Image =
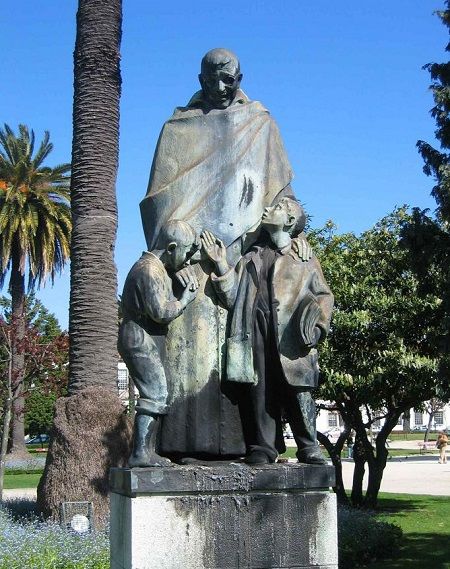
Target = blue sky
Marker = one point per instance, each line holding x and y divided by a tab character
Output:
343	79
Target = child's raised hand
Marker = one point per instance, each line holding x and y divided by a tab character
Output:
213	247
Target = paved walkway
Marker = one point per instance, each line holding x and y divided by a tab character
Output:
409	475
20	493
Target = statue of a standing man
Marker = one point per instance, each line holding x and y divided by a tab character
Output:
218	163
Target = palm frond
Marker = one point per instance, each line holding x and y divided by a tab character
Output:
35	218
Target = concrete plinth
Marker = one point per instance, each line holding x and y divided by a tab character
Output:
224	516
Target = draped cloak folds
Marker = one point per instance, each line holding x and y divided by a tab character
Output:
217	171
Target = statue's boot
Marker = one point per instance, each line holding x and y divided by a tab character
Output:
144	443
258	457
302	420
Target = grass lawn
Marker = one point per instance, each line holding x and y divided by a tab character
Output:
290	452
22	480
416	436
425	521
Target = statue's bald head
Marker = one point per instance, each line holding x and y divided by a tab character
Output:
220	58
220	77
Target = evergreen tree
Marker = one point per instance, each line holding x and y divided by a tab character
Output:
428	236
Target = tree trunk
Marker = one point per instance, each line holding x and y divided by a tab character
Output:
91	433
377	462
18	327
358	477
427	432
6	426
93	309
335	451
376	469
93	286
407	421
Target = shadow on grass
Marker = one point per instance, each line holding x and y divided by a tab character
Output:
419	551
426	537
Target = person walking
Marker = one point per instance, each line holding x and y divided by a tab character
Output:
441	444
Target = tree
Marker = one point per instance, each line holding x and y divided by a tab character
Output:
437	163
39	411
428	236
378	361
44	371
85	438
35	227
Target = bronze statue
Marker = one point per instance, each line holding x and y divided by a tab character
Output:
220	166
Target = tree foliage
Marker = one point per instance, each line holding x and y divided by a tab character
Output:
45	351
45	347
437	162
428	236
35	222
380	358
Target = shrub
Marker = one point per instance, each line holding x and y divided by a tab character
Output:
362	538
35	544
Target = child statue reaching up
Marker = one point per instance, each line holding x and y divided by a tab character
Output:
280	310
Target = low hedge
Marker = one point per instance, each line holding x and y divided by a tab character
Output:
362	538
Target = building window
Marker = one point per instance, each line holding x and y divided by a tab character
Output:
333	419
439	418
418	418
122	379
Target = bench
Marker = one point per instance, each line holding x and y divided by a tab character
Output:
426	447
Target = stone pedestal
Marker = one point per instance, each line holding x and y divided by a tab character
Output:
223	516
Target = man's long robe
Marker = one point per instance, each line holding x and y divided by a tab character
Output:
217	170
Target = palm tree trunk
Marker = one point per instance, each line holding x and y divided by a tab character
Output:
93	292
18	325
92	411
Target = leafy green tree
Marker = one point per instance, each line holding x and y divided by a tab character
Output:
35	228
39	411
37	315
378	361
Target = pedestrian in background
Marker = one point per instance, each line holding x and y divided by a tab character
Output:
441	444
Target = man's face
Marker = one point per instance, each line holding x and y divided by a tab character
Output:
220	85
276	216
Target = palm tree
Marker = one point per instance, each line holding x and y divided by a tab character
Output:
90	431
35	229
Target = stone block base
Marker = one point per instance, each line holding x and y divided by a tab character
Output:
223	517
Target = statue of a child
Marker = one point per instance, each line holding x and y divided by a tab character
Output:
148	305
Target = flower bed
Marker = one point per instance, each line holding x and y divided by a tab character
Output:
41	545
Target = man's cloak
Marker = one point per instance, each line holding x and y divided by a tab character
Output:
216	170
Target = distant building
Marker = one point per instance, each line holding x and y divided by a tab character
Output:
328	420
418	420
